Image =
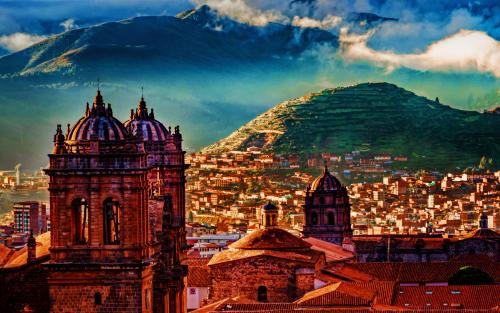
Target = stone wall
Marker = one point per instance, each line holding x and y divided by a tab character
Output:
244	277
105	290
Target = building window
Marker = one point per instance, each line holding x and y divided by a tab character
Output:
321	200
80	221
97	298
111	222
331	218
262	294
314	218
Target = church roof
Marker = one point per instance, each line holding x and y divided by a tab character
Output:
483	233
145	123
232	255
326	182
270	239
98	123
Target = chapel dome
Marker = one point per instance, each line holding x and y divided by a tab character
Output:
98	123
141	121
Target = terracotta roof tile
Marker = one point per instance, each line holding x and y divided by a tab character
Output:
198	276
442	297
333	252
231	255
20	257
270	239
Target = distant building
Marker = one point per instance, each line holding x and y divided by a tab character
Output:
30	215
326	209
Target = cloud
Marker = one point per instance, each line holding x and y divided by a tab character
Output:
463	51
241	11
68	24
18	41
329	22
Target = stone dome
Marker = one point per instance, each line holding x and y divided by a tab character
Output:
270	239
140	120
326	182
98	123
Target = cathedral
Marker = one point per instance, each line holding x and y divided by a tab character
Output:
117	214
326	209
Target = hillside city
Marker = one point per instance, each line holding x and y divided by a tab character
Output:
225	193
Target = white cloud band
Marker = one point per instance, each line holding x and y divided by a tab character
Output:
465	50
18	41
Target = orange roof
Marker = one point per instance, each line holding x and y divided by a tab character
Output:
198	276
349	273
419	272
20	257
483	234
270	239
337	294
231	255
442	297
333	252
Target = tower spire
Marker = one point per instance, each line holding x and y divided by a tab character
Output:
142	111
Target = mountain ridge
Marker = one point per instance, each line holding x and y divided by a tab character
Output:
378	117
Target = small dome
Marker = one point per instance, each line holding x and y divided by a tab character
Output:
152	130
270	239
99	123
326	182
269	207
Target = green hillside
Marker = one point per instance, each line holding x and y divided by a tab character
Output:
375	117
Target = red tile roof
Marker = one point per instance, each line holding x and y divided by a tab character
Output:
20	257
333	252
442	297
198	276
270	239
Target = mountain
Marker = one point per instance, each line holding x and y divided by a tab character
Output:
200	69
375	117
199	38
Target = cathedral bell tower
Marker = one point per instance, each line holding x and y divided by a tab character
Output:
166	177
100	255
327	210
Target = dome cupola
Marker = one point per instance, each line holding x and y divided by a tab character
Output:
326	182
142	123
98	124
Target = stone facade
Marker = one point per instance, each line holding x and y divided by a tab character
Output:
117	214
327	210
268	265
282	278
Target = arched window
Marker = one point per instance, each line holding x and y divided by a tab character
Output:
262	294
111	222
80	221
314	218
97	298
268	220
331	218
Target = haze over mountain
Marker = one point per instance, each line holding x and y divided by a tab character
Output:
202	69
371	117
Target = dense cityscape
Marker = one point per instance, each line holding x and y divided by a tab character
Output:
391	206
241	156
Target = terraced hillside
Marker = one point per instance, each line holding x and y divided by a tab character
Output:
376	117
